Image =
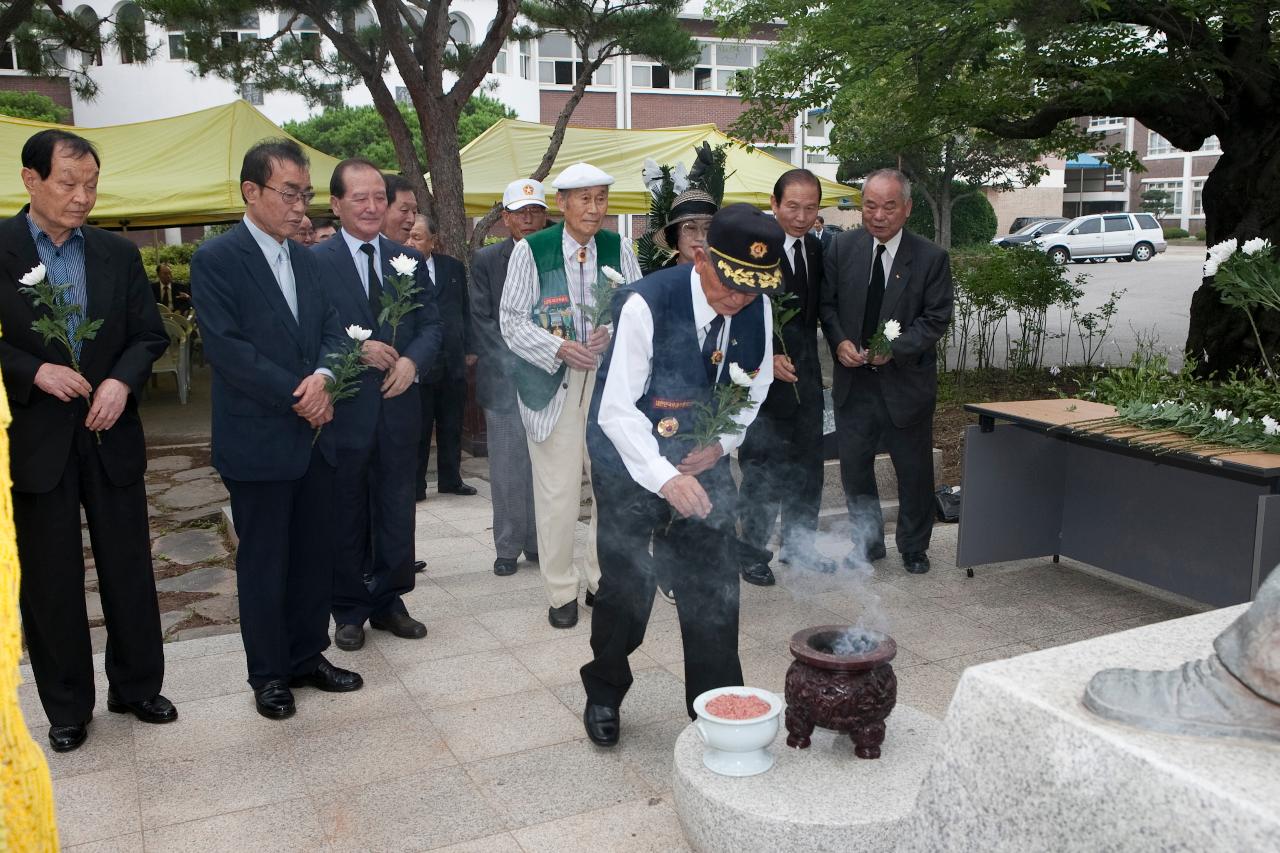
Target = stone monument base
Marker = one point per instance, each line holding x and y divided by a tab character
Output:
1022	765
815	800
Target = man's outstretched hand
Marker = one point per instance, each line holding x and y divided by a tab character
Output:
686	496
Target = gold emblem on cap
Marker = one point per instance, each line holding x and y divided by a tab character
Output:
668	427
760	279
527	189
758	249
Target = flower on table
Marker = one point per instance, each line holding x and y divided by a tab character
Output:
358	334
404	265
739	376
35	276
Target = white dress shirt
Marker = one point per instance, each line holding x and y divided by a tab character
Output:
277	255
626	426
362	260
535	344
789	251
890	252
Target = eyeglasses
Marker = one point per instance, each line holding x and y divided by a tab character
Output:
292	196
694	228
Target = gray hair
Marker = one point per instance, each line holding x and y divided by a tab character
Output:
903	181
427	221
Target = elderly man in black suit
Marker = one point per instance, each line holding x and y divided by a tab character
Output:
781	456
444	387
878	273
76	439
268	330
524	211
376	431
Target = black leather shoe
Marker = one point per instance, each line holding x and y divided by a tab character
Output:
602	724
589	599
460	489
876	552
157	709
349	638
401	624
274	700
807	558
419	566
564	616
917	562
759	574
329	678
504	567
532	557
67	738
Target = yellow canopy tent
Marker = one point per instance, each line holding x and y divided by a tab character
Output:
183	170
512	149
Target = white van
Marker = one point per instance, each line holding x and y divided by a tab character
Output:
1123	236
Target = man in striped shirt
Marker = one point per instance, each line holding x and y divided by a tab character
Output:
546	317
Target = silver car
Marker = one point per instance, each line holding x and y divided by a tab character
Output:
1098	236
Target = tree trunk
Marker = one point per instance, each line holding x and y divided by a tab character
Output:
1239	201
942	232
440	137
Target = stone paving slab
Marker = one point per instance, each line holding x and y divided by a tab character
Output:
188	547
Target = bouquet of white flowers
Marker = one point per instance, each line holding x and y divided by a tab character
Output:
1247	277
880	342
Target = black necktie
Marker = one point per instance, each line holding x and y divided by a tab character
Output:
709	347
801	271
375	287
875	298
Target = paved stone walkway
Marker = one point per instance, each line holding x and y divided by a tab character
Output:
471	739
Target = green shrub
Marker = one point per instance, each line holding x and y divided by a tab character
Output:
973	220
1175	233
31	106
1199	235
177	257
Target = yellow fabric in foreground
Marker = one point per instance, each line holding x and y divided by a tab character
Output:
27	821
513	149
183	170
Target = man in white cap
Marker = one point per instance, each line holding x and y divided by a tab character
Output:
546	316
524	211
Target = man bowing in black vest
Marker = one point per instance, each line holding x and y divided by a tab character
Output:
680	335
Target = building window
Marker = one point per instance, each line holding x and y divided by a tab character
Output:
177	45
560	62
1173	188
1115	176
88	19
1105	122
500	61
247	29
782	152
1157	144
251	93
459	30
1211	145
817	125
131	34
402	95
718	63
8	61
526	61
1197	197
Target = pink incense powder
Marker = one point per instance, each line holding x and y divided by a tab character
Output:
732	706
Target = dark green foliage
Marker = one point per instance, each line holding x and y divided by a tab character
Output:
973	220
31	106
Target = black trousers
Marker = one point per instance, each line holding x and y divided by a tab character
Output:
781	463
704	575
51	599
374	524
284	570
443	403
862	424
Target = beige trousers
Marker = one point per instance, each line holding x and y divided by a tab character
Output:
558	464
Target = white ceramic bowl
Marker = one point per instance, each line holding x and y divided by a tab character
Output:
737	747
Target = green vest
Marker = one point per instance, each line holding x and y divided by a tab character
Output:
554	309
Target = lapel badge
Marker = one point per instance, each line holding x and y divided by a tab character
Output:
717	357
668	427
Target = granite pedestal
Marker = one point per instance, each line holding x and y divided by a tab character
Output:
815	800
1022	765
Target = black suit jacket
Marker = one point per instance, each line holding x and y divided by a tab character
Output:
801	338
494	387
450	287
355	420
918	294
131	338
259	353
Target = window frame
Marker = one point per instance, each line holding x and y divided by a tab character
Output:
708	76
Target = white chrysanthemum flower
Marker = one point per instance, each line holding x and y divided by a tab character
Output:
35	276
892	329
404	265
1222	414
358	334
1055	370
679	178
1270	425
1256	245
612	275
739	376
1211	267
1223	250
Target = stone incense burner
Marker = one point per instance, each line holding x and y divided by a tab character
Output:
841	680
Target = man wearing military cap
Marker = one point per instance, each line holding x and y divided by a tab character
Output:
679	333
547	319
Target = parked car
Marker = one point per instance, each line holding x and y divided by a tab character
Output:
1020	222
1124	236
1029	232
